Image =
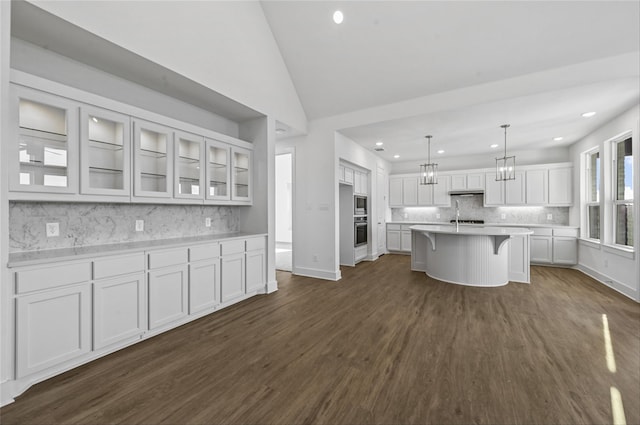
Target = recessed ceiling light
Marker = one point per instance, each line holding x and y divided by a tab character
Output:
495	145
338	17
396	156
379	143
588	114
557	139
440	151
94	119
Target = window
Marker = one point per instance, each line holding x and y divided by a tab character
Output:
623	191
593	194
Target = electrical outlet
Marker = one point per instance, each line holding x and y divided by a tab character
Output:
53	229
503	216
139	225
549	216
207	222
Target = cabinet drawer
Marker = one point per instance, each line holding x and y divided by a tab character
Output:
564	231
204	252
393	226
116	266
50	277
167	258
407	227
542	231
255	244
232	247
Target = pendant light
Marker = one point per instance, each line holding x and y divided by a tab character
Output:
429	171
505	166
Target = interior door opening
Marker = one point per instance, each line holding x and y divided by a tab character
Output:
284	212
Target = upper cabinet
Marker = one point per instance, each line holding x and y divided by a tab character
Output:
45	151
241	174
435	195
152	160
218	162
189	169
467	181
560	186
535	186
104	152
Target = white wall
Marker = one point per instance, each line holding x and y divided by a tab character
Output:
618	269
232	52
284	206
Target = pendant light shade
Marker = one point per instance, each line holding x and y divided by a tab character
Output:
429	171
505	166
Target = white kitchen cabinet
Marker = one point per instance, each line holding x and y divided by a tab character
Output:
218	171
410	191
152	160
204	285
515	190
537	187
105	153
52	327
189	169
232	269
494	191
341	169
119	307
467	181
360	184
349	177
405	239
555	246
241	175
395	191
168	284
519	259
256	264
565	250
44	152
435	194
561	186
542	245
394	240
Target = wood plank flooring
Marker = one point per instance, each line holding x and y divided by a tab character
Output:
382	346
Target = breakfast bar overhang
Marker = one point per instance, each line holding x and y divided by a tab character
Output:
467	255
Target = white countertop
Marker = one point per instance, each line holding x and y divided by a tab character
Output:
27	258
473	230
554	226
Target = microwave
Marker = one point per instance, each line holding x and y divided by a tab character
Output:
359	205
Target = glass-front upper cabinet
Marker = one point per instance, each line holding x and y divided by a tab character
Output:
46	147
241	174
104	152
189	170
218	170
153	160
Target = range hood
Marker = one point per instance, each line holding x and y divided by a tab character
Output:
466	192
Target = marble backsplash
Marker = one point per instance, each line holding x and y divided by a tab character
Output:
97	223
471	208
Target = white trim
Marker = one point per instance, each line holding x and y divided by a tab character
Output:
317	273
610	282
272	286
591	243
292	151
620	250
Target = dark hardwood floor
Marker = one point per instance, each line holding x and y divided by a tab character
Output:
382	346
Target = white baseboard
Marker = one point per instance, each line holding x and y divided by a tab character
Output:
272	286
610	282
317	273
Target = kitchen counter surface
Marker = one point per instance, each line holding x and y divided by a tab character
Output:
442	223
27	258
483	230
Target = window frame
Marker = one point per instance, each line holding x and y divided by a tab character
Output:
614	201
590	202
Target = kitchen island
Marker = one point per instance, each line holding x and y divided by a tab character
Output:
471	255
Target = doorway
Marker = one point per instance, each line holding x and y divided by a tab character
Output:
284	211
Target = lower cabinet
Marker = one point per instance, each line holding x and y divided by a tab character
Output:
399	237
52	327
119	308
232	271
554	246
256	264
204	285
168	291
519	259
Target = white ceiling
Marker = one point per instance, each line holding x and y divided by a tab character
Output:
392	51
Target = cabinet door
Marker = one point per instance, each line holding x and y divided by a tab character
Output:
232	276
565	250
118	309
52	327
536	184
541	249
152	160
44	156
410	191
405	243
256	270
218	160
364	186
348	175
493	191
357	183
395	192
241	187
204	285
475	181
168	289
441	190
519	259
394	240
189	167
515	190
459	182
105	152
560	186
341	173
425	194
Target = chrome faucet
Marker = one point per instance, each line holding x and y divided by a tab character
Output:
457	215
